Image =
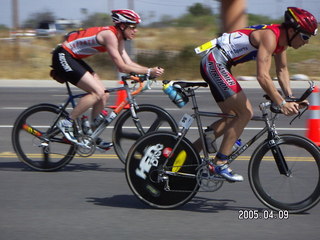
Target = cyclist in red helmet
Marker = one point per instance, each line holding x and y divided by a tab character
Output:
303	22
67	61
260	43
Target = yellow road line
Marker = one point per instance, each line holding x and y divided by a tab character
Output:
38	155
114	156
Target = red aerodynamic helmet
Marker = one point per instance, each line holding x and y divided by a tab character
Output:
125	16
301	20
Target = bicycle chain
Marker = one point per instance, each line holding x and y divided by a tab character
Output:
212	182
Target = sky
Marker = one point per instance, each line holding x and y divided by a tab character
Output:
149	9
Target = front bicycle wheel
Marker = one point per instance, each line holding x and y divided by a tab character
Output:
151	118
297	191
160	186
37	142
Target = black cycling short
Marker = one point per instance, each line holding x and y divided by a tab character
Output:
215	71
68	67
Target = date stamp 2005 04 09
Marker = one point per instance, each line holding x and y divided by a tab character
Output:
264	214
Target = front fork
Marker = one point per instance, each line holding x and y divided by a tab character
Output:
274	144
133	107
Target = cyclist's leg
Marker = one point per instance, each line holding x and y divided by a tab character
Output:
80	74
92	84
240	106
223	85
231	99
218	128
95	87
96	97
99	105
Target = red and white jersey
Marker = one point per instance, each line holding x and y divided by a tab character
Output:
84	43
237	44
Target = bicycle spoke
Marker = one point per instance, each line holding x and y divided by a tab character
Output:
295	192
130	135
39	145
155	125
127	131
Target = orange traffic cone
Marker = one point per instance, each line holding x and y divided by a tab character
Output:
121	96
313	128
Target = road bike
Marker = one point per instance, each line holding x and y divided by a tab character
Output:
40	144
165	171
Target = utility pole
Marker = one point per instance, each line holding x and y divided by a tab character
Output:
129	44
110	5
15	14
15	26
131	4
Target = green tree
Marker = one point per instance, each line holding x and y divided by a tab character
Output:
199	10
3	27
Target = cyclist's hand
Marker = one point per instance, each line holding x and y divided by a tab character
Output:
303	104
290	108
157	71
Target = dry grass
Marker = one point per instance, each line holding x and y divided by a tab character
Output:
31	58
171	38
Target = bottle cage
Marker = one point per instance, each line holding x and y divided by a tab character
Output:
181	93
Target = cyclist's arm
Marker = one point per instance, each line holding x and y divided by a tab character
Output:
114	48
266	43
283	73
125	56
155	71
120	57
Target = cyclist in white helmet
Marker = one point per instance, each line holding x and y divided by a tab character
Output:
67	61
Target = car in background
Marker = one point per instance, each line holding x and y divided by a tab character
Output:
48	29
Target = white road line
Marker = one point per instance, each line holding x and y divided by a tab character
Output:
191	128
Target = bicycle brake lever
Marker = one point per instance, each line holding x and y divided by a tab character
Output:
300	113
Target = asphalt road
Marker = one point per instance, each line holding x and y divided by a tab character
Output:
90	199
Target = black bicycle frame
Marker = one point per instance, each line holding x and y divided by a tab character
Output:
272	135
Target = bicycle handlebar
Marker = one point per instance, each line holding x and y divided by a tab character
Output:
299	100
306	93
137	77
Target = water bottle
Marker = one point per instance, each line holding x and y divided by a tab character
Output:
210	141
100	118
175	96
85	124
236	145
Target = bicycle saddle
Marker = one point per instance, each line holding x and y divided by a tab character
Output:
184	84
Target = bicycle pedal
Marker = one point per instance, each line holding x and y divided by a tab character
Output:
65	140
44	144
102	150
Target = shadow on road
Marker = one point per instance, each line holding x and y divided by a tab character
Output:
197	204
13	166
71	167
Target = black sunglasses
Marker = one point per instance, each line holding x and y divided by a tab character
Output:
304	36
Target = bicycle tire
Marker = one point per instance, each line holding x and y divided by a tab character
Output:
142	172
295	193
152	118
33	150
